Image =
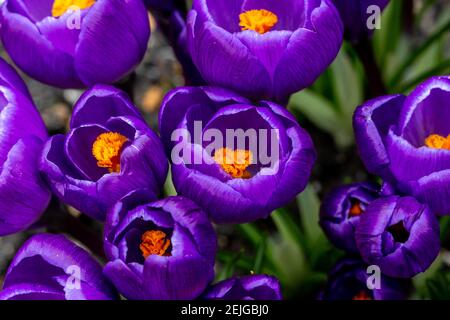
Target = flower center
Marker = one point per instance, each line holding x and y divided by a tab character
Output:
107	148
355	209
260	21
235	163
154	242
436	141
362	295
399	232
62	6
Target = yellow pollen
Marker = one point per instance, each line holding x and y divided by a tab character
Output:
154	242
107	148
436	141
61	6
260	21
235	163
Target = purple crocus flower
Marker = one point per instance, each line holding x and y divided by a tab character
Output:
23	195
398	234
163	250
50	267
357	16
405	141
237	160
263	49
254	287
108	152
341	211
349	280
75	43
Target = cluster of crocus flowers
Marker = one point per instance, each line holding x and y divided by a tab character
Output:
75	43
405	141
22	134
251	55
398	234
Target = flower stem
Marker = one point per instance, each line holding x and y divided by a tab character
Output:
366	54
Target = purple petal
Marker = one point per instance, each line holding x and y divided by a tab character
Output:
371	123
111	26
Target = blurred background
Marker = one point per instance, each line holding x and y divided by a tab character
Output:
412	45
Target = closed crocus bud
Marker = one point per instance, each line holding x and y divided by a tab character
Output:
341	211
263	49
352	279
360	17
50	267
398	234
23	195
237	160
254	287
405	140
108	152
75	43
162	250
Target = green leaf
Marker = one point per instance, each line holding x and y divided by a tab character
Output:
322	113
251	233
289	261
231	261
259	258
347	85
169	189
442	68
287	227
309	205
407	63
439	287
421	280
387	38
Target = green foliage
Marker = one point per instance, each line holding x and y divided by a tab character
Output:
439	286
298	252
329	105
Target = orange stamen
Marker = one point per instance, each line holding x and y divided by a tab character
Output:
436	141
235	163
154	242
356	209
260	21
107	149
362	295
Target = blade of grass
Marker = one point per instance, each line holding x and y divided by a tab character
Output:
418	52
250	232
440	69
259	258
